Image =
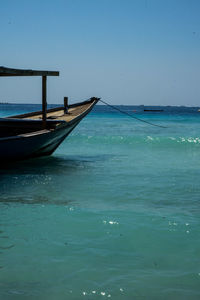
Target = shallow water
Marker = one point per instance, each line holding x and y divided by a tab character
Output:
114	213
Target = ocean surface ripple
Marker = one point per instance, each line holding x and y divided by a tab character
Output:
113	213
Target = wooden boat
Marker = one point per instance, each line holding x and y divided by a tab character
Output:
39	133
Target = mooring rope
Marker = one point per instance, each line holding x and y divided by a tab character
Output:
131	116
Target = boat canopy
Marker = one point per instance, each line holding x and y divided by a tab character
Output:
23	72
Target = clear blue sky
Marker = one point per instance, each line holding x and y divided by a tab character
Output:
125	51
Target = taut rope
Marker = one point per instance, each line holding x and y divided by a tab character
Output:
131	116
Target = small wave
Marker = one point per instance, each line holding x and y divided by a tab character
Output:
40	200
195	140
135	140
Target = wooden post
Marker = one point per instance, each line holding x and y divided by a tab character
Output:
65	105
44	100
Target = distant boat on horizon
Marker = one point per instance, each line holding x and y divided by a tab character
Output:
154	110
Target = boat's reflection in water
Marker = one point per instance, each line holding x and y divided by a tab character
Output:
42	165
58	180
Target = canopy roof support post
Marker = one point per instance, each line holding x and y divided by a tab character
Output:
44	100
65	105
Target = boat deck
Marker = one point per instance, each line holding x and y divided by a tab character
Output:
59	115
33	122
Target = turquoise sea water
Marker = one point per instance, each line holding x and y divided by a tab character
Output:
113	213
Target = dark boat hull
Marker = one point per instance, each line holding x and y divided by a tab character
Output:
42	143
